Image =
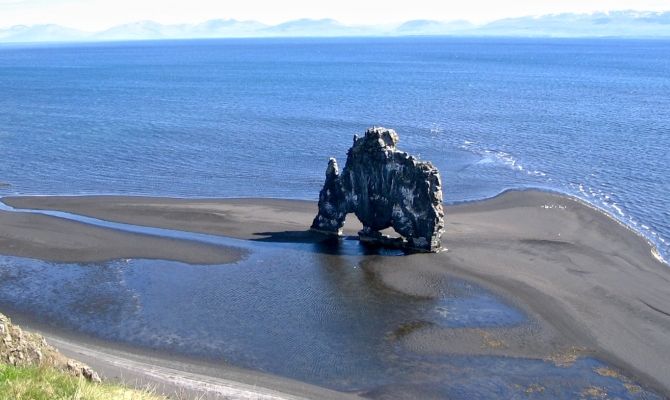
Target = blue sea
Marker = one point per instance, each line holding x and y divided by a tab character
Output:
261	117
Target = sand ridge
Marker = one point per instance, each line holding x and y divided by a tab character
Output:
56	239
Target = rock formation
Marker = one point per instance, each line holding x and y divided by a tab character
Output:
21	348
385	188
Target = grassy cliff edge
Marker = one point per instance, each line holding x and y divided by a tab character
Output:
31	369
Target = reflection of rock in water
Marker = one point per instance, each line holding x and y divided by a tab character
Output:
385	188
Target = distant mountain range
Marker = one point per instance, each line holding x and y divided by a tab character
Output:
613	24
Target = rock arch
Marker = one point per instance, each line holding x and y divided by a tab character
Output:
385	188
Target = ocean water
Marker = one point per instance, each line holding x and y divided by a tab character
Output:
259	118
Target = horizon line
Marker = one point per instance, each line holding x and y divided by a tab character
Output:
345	24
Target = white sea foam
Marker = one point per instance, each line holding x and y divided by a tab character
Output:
492	156
607	203
618	209
658	256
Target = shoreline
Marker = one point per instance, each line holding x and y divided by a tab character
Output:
588	282
655	252
654	249
172	374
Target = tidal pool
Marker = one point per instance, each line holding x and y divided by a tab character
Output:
314	317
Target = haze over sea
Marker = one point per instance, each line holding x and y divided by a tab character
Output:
260	117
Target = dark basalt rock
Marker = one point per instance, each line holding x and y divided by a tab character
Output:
332	210
385	188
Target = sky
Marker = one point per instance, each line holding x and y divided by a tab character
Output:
95	15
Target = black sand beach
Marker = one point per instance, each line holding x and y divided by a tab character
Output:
591	287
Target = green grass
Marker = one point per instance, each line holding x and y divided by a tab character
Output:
41	383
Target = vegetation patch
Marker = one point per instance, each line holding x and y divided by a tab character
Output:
45	383
31	369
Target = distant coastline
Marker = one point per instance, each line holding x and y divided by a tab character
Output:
620	24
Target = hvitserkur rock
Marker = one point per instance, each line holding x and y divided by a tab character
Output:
385	188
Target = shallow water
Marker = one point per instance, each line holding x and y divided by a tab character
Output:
314	317
259	118
509	378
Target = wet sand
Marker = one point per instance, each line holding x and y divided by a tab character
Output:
591	285
60	240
